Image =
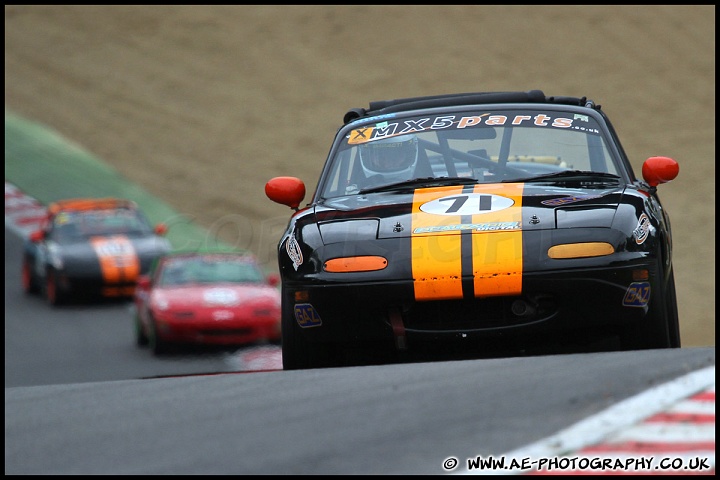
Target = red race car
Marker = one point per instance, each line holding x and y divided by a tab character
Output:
207	298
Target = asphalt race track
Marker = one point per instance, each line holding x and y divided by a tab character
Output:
81	398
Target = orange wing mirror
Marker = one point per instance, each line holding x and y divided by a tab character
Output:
161	229
657	170
37	236
143	282
273	279
288	191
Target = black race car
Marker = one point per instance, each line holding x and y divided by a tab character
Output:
478	222
90	247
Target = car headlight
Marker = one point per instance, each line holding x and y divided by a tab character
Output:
580	250
55	257
368	263
160	304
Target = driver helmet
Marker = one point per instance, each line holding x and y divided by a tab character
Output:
394	156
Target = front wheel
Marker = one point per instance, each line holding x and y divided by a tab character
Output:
297	352
53	295
660	327
157	344
29	282
141	339
672	308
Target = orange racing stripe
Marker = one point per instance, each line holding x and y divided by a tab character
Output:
118	260
443	219
436	259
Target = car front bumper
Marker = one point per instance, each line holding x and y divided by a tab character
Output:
209	331
598	300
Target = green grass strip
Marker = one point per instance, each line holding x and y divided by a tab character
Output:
49	167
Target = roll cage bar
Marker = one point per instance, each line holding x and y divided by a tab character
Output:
382	107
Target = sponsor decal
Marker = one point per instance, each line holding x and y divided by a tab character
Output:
118	260
484	227
306	315
62	218
637	294
360	135
642	230
406	126
293	250
565	200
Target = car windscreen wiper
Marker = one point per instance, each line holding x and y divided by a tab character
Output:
420	182
570	176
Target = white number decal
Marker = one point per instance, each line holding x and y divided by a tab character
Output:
470	204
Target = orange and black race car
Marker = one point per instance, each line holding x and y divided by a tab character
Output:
90	247
504	222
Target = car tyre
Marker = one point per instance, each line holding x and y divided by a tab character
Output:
660	327
297	352
156	343
29	282
672	309
53	295
141	338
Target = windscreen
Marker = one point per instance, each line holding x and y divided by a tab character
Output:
487	146
209	269
74	225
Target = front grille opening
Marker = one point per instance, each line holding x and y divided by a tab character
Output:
228	332
479	313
